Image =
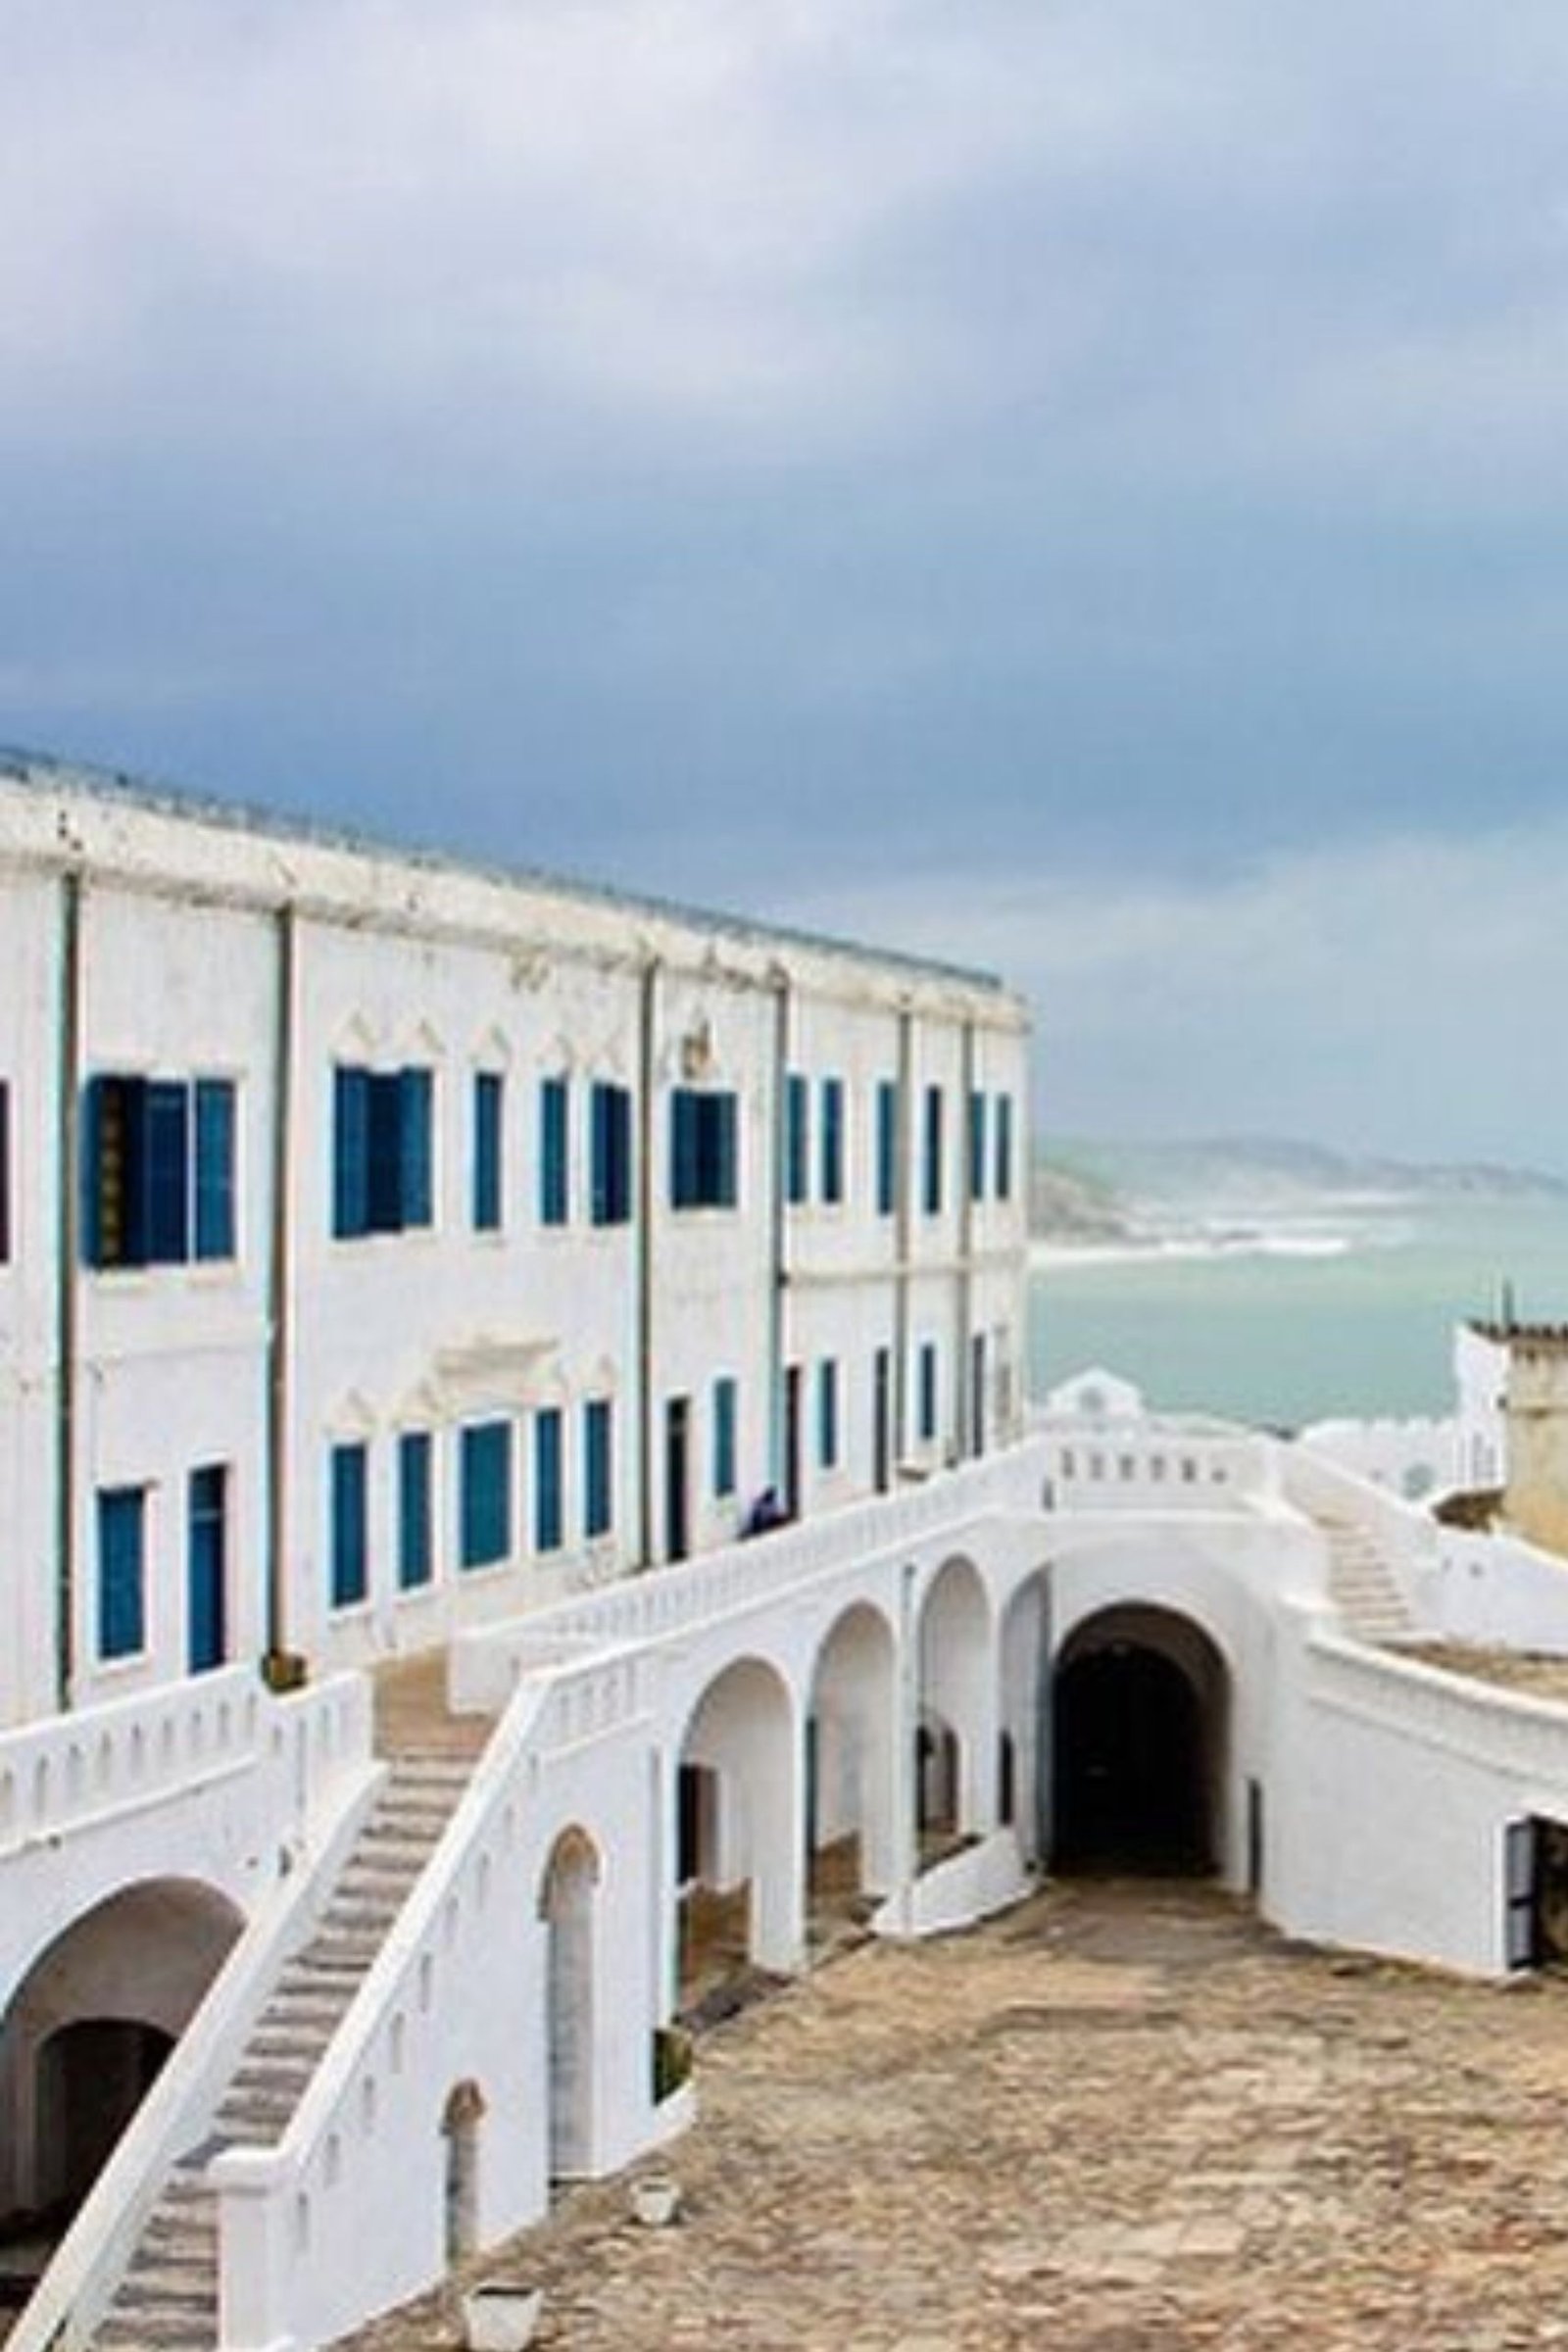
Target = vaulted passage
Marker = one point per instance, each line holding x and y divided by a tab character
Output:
1139	1720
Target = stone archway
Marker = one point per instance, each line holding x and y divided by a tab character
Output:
955	1763
567	1902
852	1759
1139	1725
740	1868
88	2030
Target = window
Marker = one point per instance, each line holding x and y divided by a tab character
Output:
827	1413
489	1100
555	1150
597	1468
797	1139
484	1461
416	1518
933	1151
832	1138
1003	1147
351	1551
547	1513
122	1571
887	1145
725	1395
158	1171
928	1391
609	1155
381	1151
977	1147
5	1172
703	1132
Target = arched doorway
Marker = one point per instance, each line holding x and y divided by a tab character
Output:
89	2030
955	1731
739	1829
851	1759
1140	1729
567	1908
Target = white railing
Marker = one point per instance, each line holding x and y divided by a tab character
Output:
73	1771
1509	1730
276	2204
85	2270
1161	1465
1406	1537
485	1662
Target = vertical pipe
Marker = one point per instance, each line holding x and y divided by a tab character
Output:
645	1073
281	1283
66	1291
779	1219
964	1287
904	1142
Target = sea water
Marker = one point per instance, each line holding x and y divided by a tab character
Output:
1343	1305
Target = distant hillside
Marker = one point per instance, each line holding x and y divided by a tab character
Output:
1067	1203
1248	1171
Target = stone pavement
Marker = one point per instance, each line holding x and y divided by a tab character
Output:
1122	2119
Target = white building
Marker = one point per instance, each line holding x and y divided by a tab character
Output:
397	1258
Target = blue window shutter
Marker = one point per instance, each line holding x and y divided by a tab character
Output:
350	1577
166	1163
415	1561
724	1397
351	1153
610	1148
547	1514
683	1190
832	1138
796	1141
928	1389
416	1202
597	1469
122	1571
485	1470
95	1205
977	1147
933	1151
1004	1147
488	1101
553	1160
727	1188
887	1145
215	1168
827	1413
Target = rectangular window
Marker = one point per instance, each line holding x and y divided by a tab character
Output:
381	1151
609	1153
887	1147
484	1474
977	1147
827	1413
416	1513
702	1138
832	1140
122	1571
548	1527
933	1151
797	1139
351	1551
158	1171
597	1469
725	1395
927	1401
5	1172
1004	1147
555	1150
489	1103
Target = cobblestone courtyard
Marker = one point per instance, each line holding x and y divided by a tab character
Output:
1122	2119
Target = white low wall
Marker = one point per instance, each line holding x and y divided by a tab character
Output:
1413	1458
970	1886
1497	1590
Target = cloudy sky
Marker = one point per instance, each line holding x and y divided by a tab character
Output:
1079	485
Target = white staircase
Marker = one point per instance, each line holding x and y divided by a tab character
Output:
169	2296
1362	1586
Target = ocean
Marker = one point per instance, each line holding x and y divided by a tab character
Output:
1338	1305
